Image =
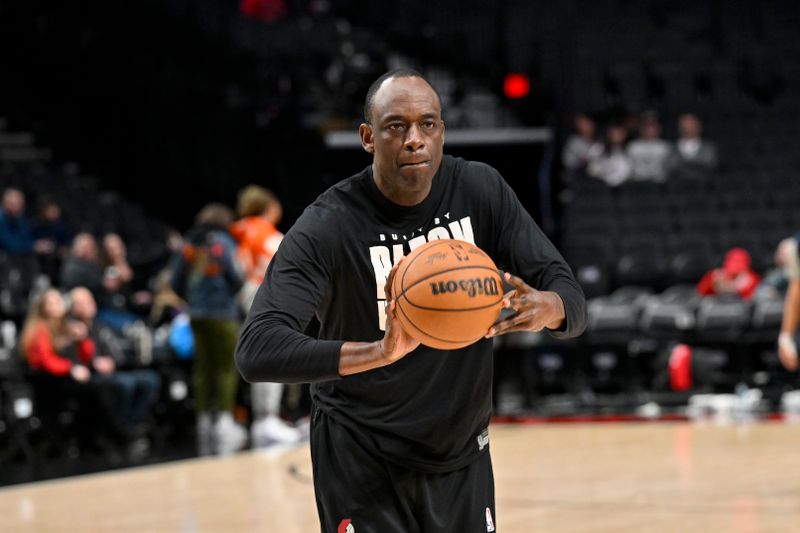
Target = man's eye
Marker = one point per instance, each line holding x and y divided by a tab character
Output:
429	124
397	127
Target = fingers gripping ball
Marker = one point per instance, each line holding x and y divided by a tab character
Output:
447	293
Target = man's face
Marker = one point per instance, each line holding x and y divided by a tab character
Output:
114	246
616	135
406	134
83	306
84	247
651	130
689	126
13	202
584	126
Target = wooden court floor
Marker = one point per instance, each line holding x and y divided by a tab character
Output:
660	477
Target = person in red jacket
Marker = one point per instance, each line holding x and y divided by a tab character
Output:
47	335
735	277
60	352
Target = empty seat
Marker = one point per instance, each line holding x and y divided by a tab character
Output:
722	318
767	315
690	265
641	268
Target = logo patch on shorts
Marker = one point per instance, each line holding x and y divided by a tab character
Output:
489	521
483	439
346	527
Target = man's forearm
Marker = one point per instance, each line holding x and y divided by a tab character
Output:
358	357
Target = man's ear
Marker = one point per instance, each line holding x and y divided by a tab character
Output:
367	141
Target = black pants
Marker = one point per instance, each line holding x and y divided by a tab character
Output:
97	401
356	488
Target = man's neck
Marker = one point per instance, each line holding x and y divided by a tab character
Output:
396	195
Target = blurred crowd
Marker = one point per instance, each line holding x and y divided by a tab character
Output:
632	149
88	300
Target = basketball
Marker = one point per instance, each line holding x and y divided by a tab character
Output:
447	294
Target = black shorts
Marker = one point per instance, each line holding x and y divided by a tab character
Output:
360	492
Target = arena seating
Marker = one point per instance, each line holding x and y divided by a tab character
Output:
34	426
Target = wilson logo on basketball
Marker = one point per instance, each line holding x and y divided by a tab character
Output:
473	287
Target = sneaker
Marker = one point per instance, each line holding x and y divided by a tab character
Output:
205	434
272	430
230	436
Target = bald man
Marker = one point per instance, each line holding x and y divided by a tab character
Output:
399	432
138	388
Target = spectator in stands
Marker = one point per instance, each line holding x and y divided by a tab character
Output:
651	156
60	352
115	255
787	346
612	164
82	266
49	226
734	278
581	145
166	304
137	389
776	281
691	148
259	239
16	235
208	276
121	305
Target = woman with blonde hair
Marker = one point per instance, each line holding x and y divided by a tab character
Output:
47	333
60	353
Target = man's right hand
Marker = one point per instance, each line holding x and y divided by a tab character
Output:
358	357
396	343
787	351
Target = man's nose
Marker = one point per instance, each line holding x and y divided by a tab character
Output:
414	141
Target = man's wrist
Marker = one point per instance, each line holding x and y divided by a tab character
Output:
560	309
381	353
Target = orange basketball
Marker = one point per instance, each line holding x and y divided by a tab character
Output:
447	293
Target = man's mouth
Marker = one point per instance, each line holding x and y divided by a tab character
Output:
414	165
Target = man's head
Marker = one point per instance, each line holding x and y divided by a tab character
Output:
737	261
215	215
83	306
84	246
689	126
584	126
48	209
114	247
404	131
650	127
13	202
616	135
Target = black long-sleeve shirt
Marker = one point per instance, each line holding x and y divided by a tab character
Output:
428	410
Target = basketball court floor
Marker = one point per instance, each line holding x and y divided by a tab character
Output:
659	477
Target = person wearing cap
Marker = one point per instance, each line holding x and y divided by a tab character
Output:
734	278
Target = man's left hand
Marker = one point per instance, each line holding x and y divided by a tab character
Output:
534	310
104	364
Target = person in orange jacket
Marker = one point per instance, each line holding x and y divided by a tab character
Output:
257	236
260	211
